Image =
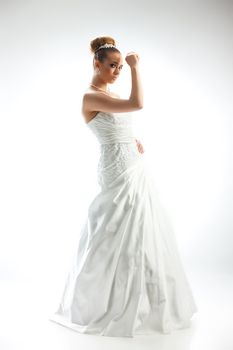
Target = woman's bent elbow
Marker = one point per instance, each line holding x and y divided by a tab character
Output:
138	105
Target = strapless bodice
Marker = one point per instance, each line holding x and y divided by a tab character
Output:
112	127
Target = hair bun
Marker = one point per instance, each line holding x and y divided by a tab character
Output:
99	41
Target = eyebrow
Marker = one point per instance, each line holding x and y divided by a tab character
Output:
116	62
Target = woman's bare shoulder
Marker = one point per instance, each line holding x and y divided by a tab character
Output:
116	95
90	91
87	112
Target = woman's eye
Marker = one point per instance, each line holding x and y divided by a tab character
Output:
115	65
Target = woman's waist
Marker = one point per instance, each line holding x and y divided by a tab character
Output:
118	151
111	137
131	140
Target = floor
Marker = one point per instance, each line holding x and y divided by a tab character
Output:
25	308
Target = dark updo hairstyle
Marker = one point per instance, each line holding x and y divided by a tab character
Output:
102	53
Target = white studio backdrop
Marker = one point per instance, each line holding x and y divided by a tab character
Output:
49	157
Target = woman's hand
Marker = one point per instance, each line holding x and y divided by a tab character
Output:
140	147
132	58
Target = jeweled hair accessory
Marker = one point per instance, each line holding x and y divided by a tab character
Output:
105	46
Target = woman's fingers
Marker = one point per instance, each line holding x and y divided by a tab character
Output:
140	147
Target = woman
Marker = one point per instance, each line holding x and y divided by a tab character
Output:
127	277
107	67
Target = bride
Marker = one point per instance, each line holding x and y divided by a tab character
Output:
126	277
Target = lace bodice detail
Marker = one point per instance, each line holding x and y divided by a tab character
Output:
112	127
118	148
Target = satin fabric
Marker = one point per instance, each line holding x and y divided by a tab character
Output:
127	276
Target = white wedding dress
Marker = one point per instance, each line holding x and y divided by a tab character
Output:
126	277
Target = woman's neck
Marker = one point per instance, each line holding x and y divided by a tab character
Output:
103	88
97	81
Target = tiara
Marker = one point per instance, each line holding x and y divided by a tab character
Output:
105	46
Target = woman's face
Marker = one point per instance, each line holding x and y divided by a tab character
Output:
110	69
